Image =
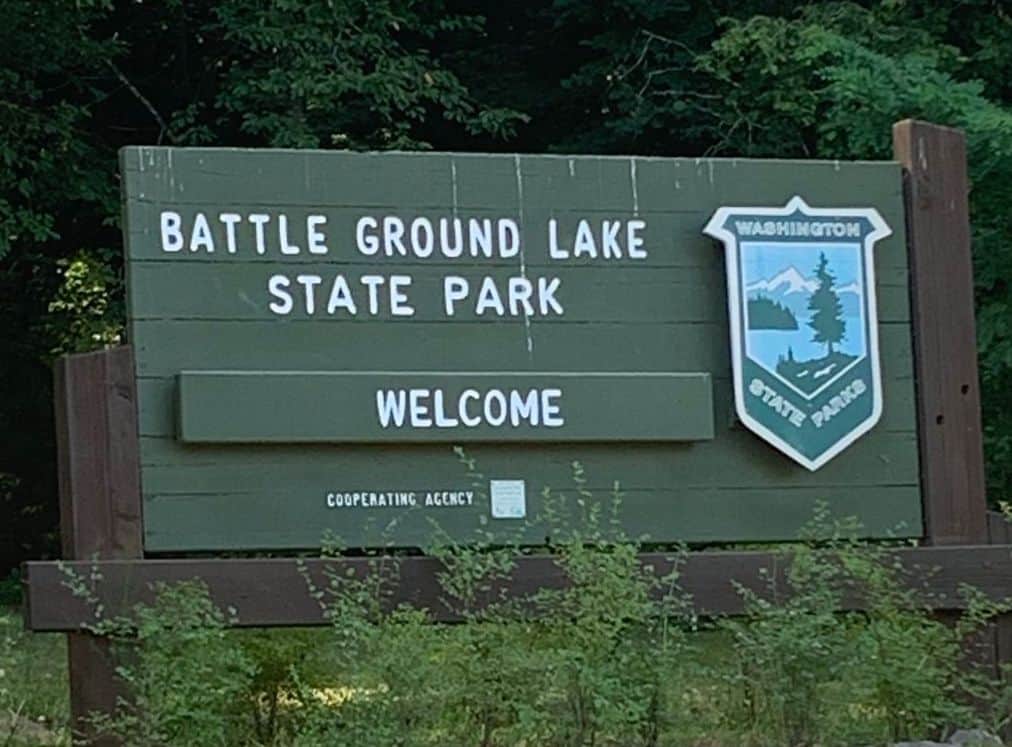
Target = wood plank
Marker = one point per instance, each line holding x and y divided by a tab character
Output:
239	291
167	347
195	488
475	181
158	402
274	592
938	228
380	407
259	520
96	406
673	241
999	529
1000	650
666	313
883	458
100	506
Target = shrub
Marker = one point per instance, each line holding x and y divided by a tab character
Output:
616	656
186	676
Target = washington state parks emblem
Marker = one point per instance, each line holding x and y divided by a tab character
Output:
804	328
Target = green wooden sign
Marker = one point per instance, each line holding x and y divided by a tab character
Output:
372	345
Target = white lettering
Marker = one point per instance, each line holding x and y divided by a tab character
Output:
286	246
584	241
259	220
551	411
373	282
488	297
367	243
340	297
172	235
230	220
399	300
553	241
393	232
278	286
422	247
495	409
309	283
390	406
634	241
419	411
509	238
201	236
455	289
314	237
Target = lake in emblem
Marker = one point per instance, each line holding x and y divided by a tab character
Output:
804	327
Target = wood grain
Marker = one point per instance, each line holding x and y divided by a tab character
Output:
100	505
945	352
275	592
201	311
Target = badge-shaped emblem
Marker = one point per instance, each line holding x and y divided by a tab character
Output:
804	328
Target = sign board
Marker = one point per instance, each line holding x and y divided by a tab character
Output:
804	342
318	335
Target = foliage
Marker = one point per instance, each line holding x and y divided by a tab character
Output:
81	79
807	674
345	73
614	656
50	165
784	78
829	83
33	684
55	180
185	675
10	590
820	80
86	313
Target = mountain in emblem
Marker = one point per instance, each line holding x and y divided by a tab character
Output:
791	289
784	283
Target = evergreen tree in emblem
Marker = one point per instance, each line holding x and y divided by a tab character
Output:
827	311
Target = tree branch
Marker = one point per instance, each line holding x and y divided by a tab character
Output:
164	127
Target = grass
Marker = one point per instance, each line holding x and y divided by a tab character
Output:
34	708
34	690
33	685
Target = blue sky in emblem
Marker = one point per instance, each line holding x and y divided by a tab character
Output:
784	273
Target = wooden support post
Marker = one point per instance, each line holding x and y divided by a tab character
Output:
1000	531
945	353
945	343
100	504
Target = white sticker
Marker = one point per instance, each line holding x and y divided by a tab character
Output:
509	499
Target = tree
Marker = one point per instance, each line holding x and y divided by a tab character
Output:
80	79
346	73
827	80
765	313
827	311
58	196
757	78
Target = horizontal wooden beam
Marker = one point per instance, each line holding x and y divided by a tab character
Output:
425	406
273	592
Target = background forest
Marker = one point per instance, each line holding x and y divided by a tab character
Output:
652	77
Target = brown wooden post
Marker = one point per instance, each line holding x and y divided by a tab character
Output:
945	354
100	505
945	343
1000	531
